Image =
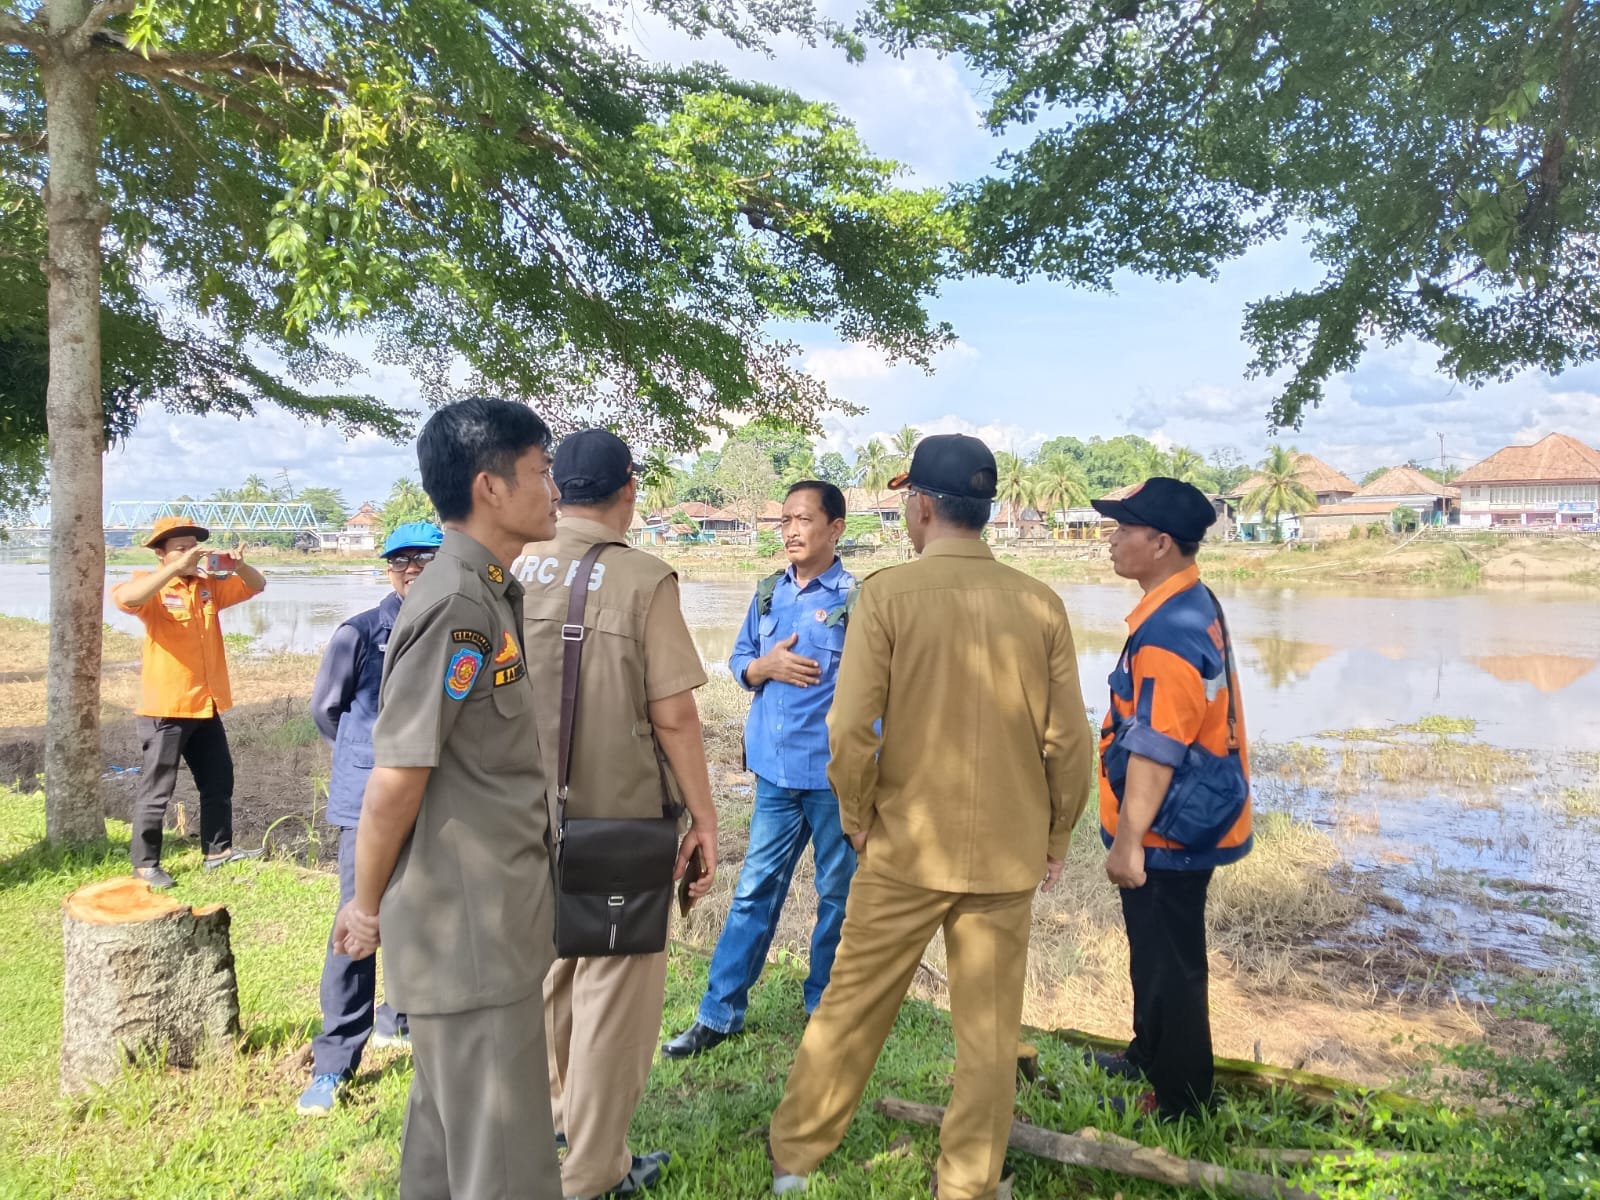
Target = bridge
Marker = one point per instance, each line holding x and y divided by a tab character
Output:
219	516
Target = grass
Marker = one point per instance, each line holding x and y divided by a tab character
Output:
228	1129
1581	802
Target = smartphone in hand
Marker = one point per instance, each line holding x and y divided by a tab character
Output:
692	871
218	565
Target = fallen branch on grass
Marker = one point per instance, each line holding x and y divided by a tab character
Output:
1319	1089
1143	1162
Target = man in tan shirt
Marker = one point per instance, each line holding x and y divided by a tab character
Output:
961	809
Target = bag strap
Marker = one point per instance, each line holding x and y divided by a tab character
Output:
1227	666
571	657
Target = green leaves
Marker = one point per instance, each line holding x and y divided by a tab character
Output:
1442	160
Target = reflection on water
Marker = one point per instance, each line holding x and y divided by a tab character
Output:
1521	664
1547	672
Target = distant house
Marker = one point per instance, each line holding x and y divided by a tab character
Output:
360	532
708	518
1011	523
1398	487
1328	485
1553	483
884	505
771	516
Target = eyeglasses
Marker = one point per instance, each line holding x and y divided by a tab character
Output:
401	562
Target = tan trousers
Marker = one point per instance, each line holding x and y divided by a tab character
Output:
602	1019
887	926
477	1123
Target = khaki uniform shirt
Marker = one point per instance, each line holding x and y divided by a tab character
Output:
467	917
986	758
636	649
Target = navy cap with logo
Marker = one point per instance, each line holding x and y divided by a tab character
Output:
591	465
1170	506
951	464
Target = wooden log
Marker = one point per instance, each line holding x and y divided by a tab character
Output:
1142	1162
145	978
1239	1072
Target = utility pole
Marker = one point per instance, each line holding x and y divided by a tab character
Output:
1441	456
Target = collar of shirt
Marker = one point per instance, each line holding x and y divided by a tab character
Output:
1181	582
588	532
389	609
482	563
957	547
832	578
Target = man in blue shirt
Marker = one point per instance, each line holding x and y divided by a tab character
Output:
344	704
787	653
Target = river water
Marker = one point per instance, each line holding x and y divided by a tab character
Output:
1524	664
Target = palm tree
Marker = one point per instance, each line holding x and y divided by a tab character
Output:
875	467
1185	464
659	493
1058	483
1151	461
1280	493
904	445
1013	482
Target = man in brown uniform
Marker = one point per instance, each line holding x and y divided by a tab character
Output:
635	705
961	809
448	844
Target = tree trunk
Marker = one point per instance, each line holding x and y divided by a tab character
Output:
145	978
77	435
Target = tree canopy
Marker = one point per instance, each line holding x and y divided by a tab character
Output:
1442	160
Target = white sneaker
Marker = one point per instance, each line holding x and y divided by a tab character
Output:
782	1185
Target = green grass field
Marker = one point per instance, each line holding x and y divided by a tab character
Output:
228	1129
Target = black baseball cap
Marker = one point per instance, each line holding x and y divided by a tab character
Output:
951	464
592	464
1170	506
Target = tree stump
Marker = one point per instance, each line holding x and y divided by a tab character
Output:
146	978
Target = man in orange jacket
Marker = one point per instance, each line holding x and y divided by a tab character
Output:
185	688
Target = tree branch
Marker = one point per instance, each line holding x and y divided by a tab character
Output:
25	141
98	16
15	31
162	65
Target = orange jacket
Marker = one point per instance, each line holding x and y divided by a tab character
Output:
185	671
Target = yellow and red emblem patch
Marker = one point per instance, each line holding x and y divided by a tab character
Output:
508	648
464	666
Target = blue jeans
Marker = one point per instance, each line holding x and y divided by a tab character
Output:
783	821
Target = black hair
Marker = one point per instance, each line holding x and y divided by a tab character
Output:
960	511
828	495
481	433
1187	549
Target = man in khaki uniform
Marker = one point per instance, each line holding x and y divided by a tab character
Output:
452	861
960	810
635	706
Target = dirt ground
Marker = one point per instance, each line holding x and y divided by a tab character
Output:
1292	983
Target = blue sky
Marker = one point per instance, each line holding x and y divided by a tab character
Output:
1164	360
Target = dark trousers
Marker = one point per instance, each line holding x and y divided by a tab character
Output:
349	988
202	743
1166	922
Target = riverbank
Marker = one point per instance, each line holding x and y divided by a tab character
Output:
1435	560
1318	961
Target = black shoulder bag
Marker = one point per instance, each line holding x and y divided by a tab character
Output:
613	875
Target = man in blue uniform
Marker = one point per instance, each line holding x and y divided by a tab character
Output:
344	704
787	653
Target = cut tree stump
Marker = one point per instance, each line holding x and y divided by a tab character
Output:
146	979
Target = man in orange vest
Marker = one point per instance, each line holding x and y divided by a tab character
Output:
185	688
1174	786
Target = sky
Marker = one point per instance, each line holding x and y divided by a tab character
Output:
1163	360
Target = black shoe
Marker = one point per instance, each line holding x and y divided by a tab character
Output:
158	879
644	1174
695	1040
1118	1066
232	856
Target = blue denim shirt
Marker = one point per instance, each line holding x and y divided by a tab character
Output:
786	734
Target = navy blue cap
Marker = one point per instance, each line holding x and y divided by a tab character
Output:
951	464
592	465
1170	506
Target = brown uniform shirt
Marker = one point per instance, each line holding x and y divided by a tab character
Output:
986	759
636	649
467	917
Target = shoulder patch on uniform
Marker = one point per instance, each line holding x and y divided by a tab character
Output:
510	674
464	666
495	574
471	637
508	649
